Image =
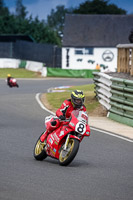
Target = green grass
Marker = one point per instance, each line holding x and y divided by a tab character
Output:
55	99
18	73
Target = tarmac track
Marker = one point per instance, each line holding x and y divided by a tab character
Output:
102	169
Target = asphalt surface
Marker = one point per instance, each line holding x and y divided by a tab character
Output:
102	169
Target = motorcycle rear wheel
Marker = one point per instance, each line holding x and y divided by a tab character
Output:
67	156
39	152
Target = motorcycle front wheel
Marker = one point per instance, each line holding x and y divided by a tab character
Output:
66	156
39	152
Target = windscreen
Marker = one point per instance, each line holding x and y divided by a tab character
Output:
81	116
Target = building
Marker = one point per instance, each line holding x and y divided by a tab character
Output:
89	41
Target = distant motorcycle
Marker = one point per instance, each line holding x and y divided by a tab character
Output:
13	83
63	142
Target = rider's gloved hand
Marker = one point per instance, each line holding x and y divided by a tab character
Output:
62	117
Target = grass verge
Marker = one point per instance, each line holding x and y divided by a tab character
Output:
92	105
18	73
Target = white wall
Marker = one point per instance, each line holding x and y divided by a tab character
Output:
9	63
14	63
34	66
101	56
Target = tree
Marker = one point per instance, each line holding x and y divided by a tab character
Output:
98	7
56	19
42	33
3	10
4	18
20	10
1	4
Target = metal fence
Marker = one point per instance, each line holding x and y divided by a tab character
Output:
6	50
46	53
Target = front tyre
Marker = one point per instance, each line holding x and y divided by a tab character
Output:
66	156
39	152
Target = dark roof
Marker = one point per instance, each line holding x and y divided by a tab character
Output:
14	38
97	30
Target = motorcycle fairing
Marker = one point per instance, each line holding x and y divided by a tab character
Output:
80	126
56	139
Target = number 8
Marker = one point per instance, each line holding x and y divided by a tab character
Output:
80	128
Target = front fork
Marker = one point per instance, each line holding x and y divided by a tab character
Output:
67	141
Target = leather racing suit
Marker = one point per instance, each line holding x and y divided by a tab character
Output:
66	109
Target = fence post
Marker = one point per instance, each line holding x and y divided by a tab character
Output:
11	50
118	61
131	70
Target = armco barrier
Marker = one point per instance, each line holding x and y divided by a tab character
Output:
116	95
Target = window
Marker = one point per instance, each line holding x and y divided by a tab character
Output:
79	51
84	51
88	51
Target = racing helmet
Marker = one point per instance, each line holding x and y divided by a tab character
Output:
77	98
8	75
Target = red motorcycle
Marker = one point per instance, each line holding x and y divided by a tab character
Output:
13	83
63	142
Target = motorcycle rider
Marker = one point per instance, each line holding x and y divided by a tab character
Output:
76	102
8	79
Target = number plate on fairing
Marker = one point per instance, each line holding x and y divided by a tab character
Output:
80	128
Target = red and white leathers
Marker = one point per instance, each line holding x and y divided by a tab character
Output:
65	110
67	107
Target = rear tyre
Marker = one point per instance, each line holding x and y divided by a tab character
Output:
39	151
67	156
